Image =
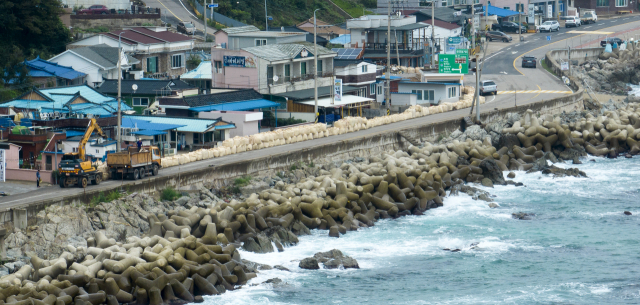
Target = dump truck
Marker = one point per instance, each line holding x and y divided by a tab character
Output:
134	163
75	168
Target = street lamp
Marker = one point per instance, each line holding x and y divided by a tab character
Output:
118	131
315	64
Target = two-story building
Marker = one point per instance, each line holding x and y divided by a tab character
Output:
356	73
370	32
272	69
237	38
162	54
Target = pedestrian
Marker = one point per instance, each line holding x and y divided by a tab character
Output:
139	144
38	178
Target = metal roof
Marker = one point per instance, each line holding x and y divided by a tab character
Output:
343	39
219	98
284	51
128	122
203	71
308	93
103	55
149	132
85	91
241	29
189	124
145	86
406	27
43	68
237	106
500	12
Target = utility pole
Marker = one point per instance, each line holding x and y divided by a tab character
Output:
205	20
119	131
520	22
388	91
473	26
433	35
315	65
477	93
569	54
266	18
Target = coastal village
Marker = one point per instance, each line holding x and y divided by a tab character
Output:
161	150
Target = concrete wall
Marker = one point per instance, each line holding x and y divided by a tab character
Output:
27	175
246	121
306	116
115	4
12	156
579	55
116	23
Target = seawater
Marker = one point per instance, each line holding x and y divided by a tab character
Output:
579	248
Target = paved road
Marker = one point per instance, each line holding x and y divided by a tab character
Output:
174	11
530	85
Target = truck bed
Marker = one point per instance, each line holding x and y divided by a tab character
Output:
129	159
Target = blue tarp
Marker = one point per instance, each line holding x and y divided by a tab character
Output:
344	39
500	12
237	106
149	132
73	133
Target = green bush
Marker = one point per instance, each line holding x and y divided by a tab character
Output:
169	194
242	181
111	196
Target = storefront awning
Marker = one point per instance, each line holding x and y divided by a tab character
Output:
346	101
500	12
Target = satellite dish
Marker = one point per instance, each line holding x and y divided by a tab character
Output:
134	87
275	78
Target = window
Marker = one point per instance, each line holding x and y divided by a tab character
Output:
176	61
621	3
218	66
379	90
444	3
141	101
453	92
152	64
320	67
75	149
362	92
372	89
261	42
364	68
602	3
303	68
97	151
196	138
287	72
506	7
418	93
428	95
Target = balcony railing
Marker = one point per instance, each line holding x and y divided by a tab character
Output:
286	79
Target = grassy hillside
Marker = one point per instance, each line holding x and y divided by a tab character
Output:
290	12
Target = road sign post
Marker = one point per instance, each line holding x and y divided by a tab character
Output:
213	5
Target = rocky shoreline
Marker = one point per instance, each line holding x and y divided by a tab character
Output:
140	250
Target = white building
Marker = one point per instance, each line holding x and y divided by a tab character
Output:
247	122
95	147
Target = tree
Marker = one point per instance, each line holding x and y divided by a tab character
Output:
193	61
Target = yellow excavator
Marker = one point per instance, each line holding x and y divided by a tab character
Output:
75	168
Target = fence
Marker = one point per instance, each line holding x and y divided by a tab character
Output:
218	17
135	12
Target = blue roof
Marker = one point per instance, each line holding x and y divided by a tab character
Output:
430	82
188	124
42	68
85	91
73	133
149	132
31	104
203	71
237	106
343	39
141	124
501	12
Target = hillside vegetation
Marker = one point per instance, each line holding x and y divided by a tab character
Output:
290	12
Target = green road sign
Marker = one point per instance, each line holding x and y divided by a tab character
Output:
454	40
457	64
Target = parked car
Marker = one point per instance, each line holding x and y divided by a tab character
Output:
488	87
528	61
549	26
508	26
611	40
589	17
573	21
187	28
94	10
497	35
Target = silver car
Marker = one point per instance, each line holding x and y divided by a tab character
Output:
488	87
549	26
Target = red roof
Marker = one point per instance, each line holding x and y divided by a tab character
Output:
145	36
442	24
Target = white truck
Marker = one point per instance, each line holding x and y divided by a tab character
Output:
589	16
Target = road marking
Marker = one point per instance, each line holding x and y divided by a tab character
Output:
514	52
174	15
493	99
517	45
591	32
534	91
509	49
503	72
586	27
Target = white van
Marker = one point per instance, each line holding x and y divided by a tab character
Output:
572	21
589	17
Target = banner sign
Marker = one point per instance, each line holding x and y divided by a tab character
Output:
2	163
337	90
550	11
531	12
239	61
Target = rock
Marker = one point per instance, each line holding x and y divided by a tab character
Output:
538	165
15	266
522	216
281	268
475	132
550	156
493	205
309	263
508	140
334	259
484	197
273	281
628	156
627	213
182	201
576	161
561	172
519	184
511	175
333	232
4	271
279	246
258	244
487	182
491	170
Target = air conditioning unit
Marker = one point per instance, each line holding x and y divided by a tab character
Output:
60	146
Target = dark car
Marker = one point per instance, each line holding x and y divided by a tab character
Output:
497	35
512	27
94	10
528	61
611	40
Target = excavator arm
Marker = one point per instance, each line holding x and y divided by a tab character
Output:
93	126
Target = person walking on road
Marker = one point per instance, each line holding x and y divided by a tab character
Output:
38	178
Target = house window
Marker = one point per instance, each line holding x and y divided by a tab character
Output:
218	66
362	92
287	73
379	90
152	64
97	151
418	93
320	67
176	61
506	7
372	89
444	3
602	3
429	95
141	101
196	138
74	149
621	3
364	68
453	92
303	68
261	42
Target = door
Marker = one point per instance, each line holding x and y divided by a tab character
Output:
48	165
